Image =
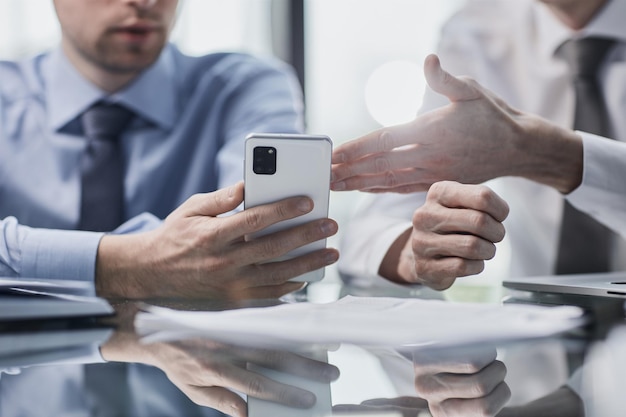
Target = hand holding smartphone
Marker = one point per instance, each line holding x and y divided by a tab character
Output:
278	166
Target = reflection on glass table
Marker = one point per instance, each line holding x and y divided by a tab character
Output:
196	374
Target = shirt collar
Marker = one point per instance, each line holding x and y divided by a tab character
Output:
552	33
152	95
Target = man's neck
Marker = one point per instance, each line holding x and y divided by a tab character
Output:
576	14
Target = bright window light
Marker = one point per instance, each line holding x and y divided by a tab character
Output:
393	92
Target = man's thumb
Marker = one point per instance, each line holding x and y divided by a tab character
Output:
442	82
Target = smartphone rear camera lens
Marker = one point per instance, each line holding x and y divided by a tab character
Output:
264	160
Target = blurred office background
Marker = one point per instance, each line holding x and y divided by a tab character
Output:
360	60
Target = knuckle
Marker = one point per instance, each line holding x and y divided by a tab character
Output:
215	232
471	245
435	277
391	179
468	80
310	233
421	269
438	189
272	247
220	374
447	78
253	219
255	387
484	197
470	367
277	273
284	396
420	216
479	389
283	211
427	386
340	171
382	164
385	141
478	220
273	356
422	248
225	263
455	267
425	217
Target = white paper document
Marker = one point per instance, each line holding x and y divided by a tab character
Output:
364	321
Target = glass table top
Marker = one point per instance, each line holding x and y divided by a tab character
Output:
105	367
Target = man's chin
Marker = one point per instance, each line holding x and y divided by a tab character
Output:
129	64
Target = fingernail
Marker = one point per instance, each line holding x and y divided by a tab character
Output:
305	400
331	373
305	205
231	191
331	257
328	227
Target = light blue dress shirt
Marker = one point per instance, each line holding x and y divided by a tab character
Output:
193	116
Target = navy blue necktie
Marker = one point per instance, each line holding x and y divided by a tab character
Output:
585	244
102	167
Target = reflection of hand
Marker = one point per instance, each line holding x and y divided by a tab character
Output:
197	254
401	406
453	234
461	382
475	138
207	371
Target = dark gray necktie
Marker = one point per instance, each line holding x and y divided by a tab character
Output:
102	210
585	245
102	167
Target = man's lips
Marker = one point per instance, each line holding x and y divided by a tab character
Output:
136	31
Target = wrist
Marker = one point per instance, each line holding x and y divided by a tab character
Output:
392	267
119	266
549	154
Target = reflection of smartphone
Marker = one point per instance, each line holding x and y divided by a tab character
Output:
321	390
279	166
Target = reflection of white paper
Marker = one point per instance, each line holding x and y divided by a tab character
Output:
56	286
363	320
23	349
23	298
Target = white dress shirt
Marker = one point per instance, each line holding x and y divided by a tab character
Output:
509	47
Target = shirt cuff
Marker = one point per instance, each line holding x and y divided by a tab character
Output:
362	253
60	254
602	192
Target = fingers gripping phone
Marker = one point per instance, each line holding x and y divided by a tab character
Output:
278	166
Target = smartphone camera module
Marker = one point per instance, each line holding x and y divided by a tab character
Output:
264	160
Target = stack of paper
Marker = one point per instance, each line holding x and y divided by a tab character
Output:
364	321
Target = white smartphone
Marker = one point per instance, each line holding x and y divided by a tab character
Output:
278	166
